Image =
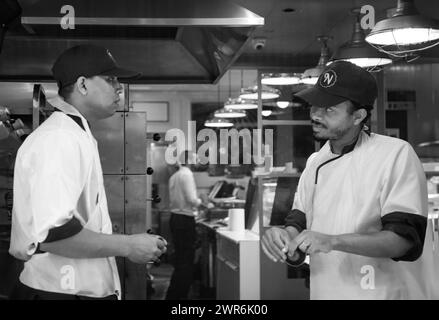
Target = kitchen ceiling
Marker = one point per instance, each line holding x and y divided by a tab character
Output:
168	41
291	37
168	51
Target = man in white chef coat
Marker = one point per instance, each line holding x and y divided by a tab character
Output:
360	210
61	227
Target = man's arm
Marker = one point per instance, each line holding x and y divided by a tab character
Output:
382	244
139	248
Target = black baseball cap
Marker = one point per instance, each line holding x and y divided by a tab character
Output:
87	60
341	81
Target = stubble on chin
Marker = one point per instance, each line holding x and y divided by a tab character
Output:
320	139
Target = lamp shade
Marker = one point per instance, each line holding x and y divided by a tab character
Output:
266	94
229	113
218	123
406	27
240	104
359	52
280	79
310	76
362	54
404	30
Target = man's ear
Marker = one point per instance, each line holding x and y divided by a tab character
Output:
81	85
359	116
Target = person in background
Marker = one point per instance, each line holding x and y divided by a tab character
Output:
360	210
183	205
61	227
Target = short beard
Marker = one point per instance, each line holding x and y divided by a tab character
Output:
319	139
334	135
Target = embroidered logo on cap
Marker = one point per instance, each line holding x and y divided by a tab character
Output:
328	79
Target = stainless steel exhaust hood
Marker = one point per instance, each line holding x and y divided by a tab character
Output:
169	41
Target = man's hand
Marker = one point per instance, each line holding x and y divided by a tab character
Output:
205	201
204	197
311	242
275	243
144	248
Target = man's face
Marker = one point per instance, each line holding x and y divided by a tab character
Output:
332	123
103	96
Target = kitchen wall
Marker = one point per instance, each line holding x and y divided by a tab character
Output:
423	121
179	112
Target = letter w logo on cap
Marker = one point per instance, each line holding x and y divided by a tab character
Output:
328	79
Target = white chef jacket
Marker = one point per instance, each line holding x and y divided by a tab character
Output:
58	182
351	194
183	193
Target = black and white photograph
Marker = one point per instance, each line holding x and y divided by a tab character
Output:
219	158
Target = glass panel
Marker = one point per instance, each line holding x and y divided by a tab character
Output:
289	113
292	144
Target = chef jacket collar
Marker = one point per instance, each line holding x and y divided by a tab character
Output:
60	104
348	148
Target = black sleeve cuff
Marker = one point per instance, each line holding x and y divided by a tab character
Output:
67	230
296	219
409	226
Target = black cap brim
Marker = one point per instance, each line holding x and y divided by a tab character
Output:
121	73
319	98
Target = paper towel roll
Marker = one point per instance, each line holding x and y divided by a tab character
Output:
236	220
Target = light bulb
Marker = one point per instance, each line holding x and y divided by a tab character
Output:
282	104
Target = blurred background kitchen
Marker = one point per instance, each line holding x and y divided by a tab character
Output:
223	65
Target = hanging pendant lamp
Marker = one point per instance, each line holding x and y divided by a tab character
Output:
406	31
214	122
229	113
310	76
251	93
280	79
238	103
218	123
358	51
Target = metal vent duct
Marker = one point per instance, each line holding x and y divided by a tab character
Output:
169	41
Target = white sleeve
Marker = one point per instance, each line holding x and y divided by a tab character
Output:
190	190
55	182
404	187
300	195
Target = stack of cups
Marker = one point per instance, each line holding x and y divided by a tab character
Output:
237	220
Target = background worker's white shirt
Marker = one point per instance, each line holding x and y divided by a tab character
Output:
58	177
380	176
183	192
